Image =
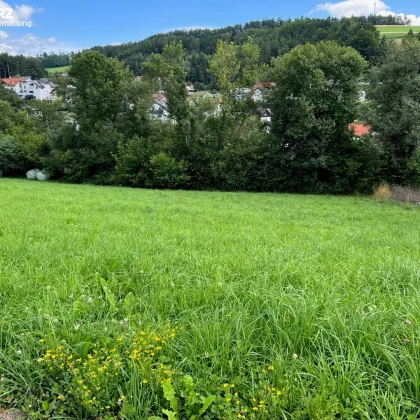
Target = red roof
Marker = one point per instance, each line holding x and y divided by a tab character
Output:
360	129
263	85
12	81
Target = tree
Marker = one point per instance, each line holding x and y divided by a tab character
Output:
84	148
395	110
96	83
314	101
225	67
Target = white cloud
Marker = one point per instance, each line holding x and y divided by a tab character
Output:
17	13
3	35
361	8
31	45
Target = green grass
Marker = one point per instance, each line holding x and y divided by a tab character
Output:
397	31
56	70
318	288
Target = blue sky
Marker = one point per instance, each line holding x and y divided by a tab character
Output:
59	25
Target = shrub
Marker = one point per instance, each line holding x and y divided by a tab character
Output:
406	194
11	154
398	193
383	193
167	172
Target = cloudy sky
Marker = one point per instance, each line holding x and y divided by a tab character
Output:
63	26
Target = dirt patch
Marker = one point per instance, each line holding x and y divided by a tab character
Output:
12	415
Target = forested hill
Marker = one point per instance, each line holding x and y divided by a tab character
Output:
275	37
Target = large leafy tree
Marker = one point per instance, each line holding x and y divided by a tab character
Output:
97	90
314	101
97	94
396	109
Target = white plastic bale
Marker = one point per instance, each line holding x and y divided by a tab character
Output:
31	174
42	176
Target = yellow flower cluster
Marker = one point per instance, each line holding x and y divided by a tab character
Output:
149	344
88	378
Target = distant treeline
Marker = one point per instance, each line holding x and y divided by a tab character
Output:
274	37
14	65
55	60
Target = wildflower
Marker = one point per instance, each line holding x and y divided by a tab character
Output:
42	340
19	352
295	356
145	381
270	367
278	393
406	341
60	397
89	300
228	400
108	407
77	326
409	322
255	408
225	385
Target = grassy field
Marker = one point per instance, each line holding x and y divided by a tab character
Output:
186	305
56	70
397	31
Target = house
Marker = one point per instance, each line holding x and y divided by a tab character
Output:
25	87
159	109
190	88
260	88
12	83
266	115
360	129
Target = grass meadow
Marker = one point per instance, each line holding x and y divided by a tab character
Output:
142	304
396	31
55	70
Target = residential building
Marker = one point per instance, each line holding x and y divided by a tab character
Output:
25	87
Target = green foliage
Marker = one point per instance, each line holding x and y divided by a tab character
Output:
395	110
167	172
19	65
274	38
96	85
11	155
311	138
414	166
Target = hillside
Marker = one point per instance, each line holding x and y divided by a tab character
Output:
275	37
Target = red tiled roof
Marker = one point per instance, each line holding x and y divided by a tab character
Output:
263	85
12	81
360	129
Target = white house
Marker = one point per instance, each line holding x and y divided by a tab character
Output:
24	87
159	109
12	83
